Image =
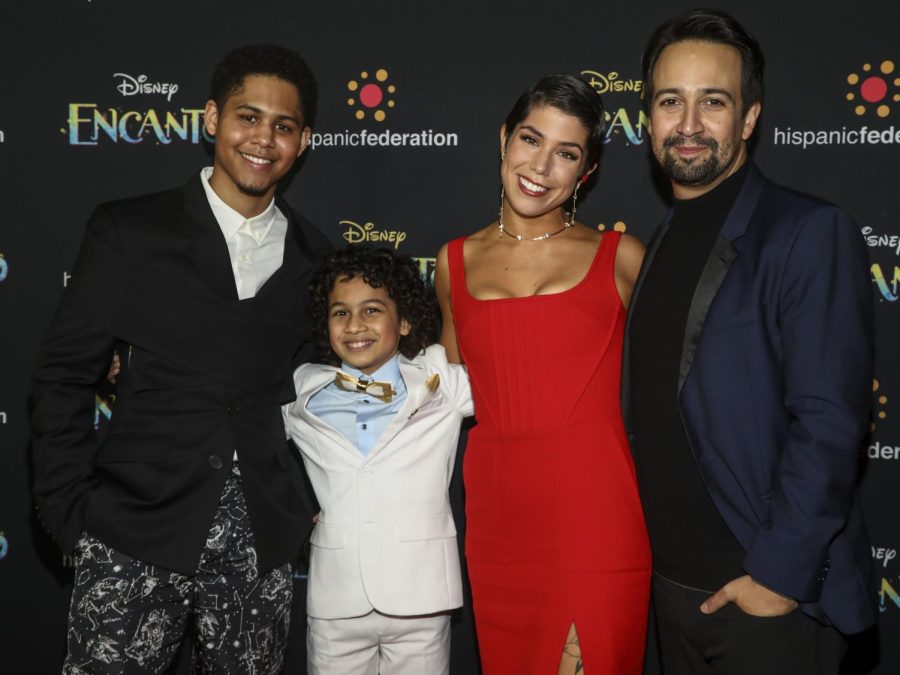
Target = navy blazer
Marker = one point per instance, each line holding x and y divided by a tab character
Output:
774	391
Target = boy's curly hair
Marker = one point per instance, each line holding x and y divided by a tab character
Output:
399	274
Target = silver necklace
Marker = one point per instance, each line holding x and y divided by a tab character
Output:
519	237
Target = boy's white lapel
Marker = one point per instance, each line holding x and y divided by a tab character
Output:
319	376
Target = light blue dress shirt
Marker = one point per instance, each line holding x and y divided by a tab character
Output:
358	416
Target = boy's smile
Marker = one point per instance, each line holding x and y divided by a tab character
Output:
364	327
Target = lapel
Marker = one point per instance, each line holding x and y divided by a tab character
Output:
317	380
717	265
207	247
417	394
297	253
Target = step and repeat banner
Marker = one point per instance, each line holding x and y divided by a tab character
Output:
104	99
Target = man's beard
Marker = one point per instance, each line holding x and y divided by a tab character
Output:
253	190
696	171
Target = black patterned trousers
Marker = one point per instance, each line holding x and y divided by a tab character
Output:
129	616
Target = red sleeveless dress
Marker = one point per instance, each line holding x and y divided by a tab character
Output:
555	531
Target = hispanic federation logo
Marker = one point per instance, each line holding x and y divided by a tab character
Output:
371	95
879	412
869	90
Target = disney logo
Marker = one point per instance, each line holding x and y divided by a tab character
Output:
885	554
875	240
610	82
129	86
357	234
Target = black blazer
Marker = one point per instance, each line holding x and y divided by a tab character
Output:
203	374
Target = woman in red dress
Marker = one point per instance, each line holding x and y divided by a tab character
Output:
534	304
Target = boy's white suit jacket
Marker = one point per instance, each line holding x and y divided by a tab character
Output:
385	538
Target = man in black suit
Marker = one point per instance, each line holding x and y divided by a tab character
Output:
188	509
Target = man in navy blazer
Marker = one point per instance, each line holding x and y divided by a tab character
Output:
747	382
187	512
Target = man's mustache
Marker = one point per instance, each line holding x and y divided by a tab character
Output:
678	139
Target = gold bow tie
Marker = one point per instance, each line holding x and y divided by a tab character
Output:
383	391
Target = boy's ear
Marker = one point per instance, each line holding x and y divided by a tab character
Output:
405	327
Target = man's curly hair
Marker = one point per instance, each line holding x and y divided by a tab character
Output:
399	274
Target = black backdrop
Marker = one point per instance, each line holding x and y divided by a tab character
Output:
102	99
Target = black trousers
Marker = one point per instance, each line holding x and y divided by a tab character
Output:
129	617
730	642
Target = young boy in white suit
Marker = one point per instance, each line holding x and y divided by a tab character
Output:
378	436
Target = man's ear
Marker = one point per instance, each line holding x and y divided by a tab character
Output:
750	118
305	135
211	117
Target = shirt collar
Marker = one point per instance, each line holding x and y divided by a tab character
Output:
230	221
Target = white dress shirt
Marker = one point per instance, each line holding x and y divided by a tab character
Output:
255	245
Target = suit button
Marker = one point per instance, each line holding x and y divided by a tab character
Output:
233	410
215	462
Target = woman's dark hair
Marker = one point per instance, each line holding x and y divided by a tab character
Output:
398	274
272	61
571	95
708	25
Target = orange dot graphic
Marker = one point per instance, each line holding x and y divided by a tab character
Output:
867	67
883	111
381	75
860	110
887	67
852	78
352	85
882	399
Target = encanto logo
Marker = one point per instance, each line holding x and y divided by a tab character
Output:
371	96
620	123
367	233
426	269
887	284
870	90
103	409
89	124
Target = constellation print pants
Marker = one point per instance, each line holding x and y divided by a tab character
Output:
129	616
